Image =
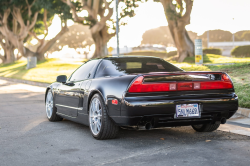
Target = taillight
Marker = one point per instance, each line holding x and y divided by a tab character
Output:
138	86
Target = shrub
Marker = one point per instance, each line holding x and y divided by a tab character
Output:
216	51
241	51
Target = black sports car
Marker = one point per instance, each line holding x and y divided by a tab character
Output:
137	91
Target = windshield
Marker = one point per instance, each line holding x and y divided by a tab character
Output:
129	65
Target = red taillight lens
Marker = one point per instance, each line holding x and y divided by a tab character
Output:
225	77
139	87
115	101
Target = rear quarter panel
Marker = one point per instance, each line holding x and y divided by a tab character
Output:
109	88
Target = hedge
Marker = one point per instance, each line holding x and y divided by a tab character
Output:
241	51
216	51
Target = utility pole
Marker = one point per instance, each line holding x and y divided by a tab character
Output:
233	36
207	38
233	40
117	27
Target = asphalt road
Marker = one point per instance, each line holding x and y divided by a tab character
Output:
28	138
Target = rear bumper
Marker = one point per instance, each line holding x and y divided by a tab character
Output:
141	110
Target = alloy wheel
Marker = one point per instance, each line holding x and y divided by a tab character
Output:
49	104
95	116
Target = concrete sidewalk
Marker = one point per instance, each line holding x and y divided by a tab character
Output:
25	82
244	111
238	124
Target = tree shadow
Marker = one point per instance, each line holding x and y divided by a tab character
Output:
17	72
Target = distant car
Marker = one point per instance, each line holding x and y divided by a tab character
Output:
137	91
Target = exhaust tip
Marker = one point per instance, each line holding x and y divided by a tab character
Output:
223	120
148	126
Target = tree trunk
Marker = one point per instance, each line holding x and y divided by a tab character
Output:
100	45
183	43
176	24
9	56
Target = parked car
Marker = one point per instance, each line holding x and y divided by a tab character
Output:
137	91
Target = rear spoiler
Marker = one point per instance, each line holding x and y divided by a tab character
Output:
180	81
181	73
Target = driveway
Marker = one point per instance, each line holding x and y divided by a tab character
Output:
28	138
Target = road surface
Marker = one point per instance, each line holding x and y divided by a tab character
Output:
28	138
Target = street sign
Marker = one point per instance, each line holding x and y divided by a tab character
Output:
110	49
198	52
31	62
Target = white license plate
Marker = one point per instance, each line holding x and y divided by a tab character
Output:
187	110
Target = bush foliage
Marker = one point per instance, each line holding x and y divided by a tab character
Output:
216	51
241	51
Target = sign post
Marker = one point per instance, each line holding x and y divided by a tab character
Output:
198	52
31	62
117	27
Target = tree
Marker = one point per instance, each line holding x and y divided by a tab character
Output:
8	48
242	36
78	36
16	31
102	26
50	8
216	36
178	16
162	36
31	18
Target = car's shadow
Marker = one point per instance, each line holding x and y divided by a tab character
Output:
182	134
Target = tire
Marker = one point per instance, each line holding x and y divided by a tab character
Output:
206	127
100	124
50	108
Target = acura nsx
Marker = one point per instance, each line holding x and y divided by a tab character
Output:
140	91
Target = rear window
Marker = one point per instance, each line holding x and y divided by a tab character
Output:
133	65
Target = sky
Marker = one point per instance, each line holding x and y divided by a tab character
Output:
230	15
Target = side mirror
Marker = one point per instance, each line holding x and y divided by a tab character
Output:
61	78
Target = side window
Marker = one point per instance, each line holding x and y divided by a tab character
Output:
84	71
107	68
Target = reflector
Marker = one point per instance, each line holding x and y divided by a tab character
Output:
115	101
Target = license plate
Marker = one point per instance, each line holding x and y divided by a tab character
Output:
187	110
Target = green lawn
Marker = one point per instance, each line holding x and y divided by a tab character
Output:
240	74
47	71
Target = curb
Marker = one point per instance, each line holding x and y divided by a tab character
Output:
244	112
25	82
